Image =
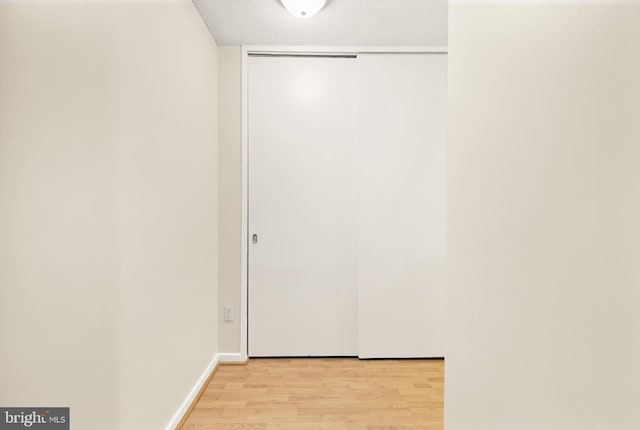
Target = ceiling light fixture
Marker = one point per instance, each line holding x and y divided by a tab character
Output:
303	8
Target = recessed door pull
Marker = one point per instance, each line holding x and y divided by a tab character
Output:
255	239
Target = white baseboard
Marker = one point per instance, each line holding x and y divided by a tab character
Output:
230	357
184	407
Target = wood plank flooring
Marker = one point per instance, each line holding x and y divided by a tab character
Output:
323	394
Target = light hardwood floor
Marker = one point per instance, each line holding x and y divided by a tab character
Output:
323	394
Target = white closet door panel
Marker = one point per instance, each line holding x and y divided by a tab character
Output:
302	271
401	218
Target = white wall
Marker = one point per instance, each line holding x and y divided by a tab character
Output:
167	209
58	244
230	193
108	209
543	193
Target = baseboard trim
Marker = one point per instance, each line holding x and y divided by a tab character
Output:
231	358
180	417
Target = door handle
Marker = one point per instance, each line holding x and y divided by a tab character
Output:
255	239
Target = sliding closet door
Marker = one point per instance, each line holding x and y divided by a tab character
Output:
302	213
401	219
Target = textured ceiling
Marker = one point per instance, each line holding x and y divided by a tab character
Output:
340	23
